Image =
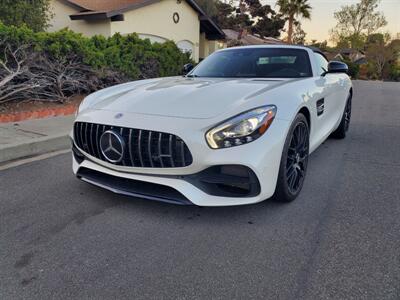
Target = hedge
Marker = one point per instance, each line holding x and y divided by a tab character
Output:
128	54
354	69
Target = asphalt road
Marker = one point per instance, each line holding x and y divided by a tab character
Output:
63	239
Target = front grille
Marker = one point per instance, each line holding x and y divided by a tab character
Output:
143	148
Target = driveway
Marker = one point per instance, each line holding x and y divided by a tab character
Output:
64	239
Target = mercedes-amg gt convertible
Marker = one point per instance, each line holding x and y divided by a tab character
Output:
236	129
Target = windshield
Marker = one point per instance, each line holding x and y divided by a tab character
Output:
255	63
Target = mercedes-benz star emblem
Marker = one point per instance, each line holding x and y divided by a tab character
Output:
112	146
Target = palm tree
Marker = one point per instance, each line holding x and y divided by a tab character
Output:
292	9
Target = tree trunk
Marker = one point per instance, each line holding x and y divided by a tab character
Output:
242	10
290	29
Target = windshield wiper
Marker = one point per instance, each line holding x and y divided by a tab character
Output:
192	75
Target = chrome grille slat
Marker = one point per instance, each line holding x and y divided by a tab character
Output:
144	148
130	148
159	149
81	136
170	150
101	155
91	144
86	146
121	132
97	141
149	150
139	148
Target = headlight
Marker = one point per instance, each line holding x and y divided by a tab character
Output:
242	129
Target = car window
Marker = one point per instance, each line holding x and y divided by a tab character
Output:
256	62
322	63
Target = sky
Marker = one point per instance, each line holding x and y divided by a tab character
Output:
322	16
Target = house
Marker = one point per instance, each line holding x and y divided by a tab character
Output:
182	21
352	55
233	37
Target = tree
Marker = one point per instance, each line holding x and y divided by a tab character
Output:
299	35
251	16
353	41
209	7
35	13
356	22
293	9
268	23
377	38
323	46
394	69
225	17
379	53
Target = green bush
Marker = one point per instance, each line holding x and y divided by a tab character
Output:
371	71
36	14
395	72
354	69
129	55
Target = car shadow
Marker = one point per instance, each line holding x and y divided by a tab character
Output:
264	209
150	209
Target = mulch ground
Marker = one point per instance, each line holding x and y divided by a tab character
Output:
28	110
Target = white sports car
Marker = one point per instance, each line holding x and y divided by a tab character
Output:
237	129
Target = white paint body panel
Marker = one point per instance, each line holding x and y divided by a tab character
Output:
189	107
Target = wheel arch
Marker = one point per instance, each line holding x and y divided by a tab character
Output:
305	111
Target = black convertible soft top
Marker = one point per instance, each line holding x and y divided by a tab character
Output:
317	50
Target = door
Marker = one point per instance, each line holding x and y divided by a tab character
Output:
328	105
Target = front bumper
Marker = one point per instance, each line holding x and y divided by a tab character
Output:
262	157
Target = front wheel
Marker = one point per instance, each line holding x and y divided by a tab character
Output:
341	131
293	167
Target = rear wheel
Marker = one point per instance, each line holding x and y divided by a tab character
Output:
294	161
340	132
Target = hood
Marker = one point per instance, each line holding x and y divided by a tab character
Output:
182	97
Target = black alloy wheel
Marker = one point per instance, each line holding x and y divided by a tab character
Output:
297	158
347	115
294	160
340	132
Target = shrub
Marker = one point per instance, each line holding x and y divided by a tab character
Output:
106	61
395	72
125	54
371	71
354	69
36	14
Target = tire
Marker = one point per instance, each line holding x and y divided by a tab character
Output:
341	131
294	161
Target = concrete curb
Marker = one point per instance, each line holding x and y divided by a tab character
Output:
38	114
35	147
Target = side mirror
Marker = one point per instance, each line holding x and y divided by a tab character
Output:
187	68
337	67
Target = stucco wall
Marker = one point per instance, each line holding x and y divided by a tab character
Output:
156	19
216	45
204	46
207	47
152	21
61	19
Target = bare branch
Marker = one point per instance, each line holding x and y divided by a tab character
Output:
29	75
